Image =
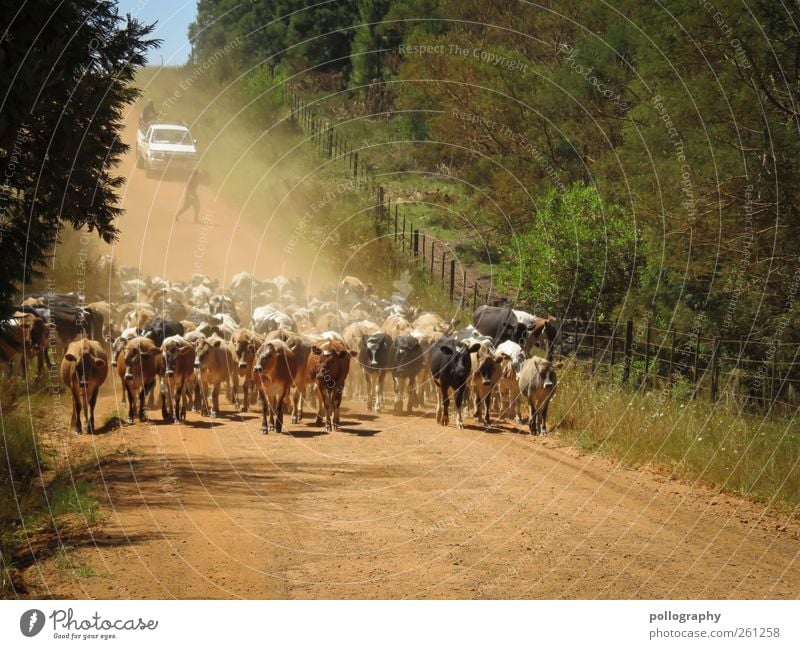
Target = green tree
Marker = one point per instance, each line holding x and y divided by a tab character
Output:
68	70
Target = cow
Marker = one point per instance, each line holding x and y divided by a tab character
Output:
161	328
451	367
407	359
138	368
500	324
214	364
84	369
373	358
23	337
512	358
274	374
266	319
486	374
328	366
396	325
178	354
243	346
428	323
353	334
537	382
301	348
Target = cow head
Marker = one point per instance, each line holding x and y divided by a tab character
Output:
457	355
488	366
328	359
244	350
173	350
203	348
372	346
139	353
85	365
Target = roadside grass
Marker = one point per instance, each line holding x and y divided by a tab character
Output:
695	440
42	488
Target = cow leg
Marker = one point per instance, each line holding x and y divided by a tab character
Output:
297	406
166	401
264	410
543	412
75	420
532	427
338	391
131	401
379	392
279	413
445	415
245	395
215	399
320	405
412	393
459	403
142	397
92	404
398	398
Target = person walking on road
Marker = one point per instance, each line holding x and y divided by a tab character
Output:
190	197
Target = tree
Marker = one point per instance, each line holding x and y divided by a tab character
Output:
67	69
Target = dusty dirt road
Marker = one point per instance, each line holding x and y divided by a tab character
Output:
390	506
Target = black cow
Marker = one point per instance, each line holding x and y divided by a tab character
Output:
408	359
162	328
223	304
70	323
501	324
451	367
374	359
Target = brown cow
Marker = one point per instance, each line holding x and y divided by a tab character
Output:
301	348
83	370
486	374
214	364
178	354
243	346
274	373
141	364
328	366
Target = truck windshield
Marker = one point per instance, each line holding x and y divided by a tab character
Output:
170	136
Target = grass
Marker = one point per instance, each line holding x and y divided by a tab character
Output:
716	444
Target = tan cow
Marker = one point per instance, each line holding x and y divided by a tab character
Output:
353	334
486	374
139	367
537	382
83	370
396	325
178	354
243	346
214	364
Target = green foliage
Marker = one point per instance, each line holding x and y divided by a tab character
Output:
577	256
67	69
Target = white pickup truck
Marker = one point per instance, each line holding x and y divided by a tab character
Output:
165	146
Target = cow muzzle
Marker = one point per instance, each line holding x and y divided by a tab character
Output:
548	384
257	368
169	373
373	363
83	384
487	381
128	376
242	366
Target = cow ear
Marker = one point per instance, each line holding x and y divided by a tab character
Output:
69	357
316	351
446	349
353	353
474	347
99	362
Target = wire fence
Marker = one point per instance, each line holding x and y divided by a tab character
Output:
757	375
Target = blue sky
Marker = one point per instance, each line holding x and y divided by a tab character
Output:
173	18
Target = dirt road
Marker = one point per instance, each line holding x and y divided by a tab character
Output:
390	506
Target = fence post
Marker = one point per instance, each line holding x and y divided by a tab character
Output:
475	296
416	243
396	209
463	288
714	368
452	278
594	344
433	255
403	235
423	250
647	356
613	343
671	354
330	140
695	370
355	164
626	366
444	254
575	340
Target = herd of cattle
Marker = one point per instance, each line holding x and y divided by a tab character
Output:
185	340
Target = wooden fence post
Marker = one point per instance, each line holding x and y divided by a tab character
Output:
416	243
626	367
475	296
433	255
452	278
696	369
714	368
613	342
671	355
647	356
463	287
444	254
594	342
423	250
